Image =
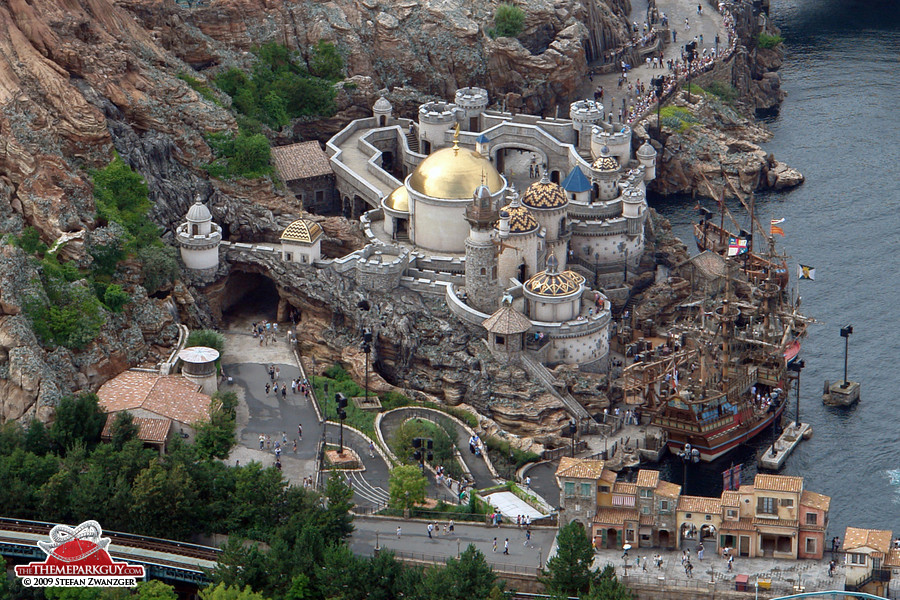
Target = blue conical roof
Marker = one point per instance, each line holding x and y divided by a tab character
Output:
576	181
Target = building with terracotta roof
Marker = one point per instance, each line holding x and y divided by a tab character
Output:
867	560
306	170
153	432
147	394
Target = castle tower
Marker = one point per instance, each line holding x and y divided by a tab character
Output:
585	114
518	241
383	112
617	138
646	155
605	173
548	202
634	208
472	102
199	239
435	118
482	288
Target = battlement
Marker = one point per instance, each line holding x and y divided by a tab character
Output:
471	98
633	195
617	137
586	111
437	113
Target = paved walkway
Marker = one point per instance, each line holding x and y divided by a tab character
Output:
708	24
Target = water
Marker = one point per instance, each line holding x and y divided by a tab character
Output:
839	126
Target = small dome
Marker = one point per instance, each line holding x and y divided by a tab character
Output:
646	150
549	283
302	231
198	213
454	173
544	194
504	214
482	192
520	218
382	105
605	162
397	200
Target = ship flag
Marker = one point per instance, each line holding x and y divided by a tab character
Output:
774	227
806	272
737	246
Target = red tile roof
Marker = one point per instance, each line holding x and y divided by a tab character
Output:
149	430
778	483
579	468
647	478
877	539
170	396
301	161
815	500
699	504
615	516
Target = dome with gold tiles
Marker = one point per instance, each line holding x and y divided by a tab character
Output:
454	173
397	200
605	162
550	283
302	231
544	195
520	218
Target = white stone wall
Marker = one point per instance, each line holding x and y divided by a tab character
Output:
550	221
438	225
578	350
301	253
207	258
611	248
509	259
554	311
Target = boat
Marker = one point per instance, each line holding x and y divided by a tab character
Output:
792	352
721	379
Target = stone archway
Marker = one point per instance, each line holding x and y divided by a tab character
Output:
612	538
248	297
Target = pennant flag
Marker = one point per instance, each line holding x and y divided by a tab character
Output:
774	227
731	478
737	246
806	272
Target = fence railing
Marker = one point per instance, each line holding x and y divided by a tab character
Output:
510	568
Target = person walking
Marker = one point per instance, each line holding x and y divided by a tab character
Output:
300	431
831	567
495	545
430	529
730	562
398	531
700	552
451	526
506	546
527	537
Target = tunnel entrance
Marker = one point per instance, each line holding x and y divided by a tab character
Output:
249	297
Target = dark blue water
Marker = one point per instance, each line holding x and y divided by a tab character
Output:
840	127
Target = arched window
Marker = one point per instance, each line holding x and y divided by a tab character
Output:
483	271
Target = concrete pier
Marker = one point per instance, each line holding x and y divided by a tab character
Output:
775	455
841	393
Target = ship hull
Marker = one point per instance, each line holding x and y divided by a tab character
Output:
710	451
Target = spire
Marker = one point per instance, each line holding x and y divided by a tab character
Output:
544	179
456	137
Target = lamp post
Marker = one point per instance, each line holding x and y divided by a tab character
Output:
689	50
341	401
796	367
367	349
573	429
845	333
659	83
422	451
687	455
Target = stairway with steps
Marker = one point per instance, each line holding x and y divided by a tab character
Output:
545	377
413	141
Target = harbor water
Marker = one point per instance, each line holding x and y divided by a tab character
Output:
840	127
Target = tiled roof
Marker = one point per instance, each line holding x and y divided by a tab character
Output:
647	478
170	396
303	231
893	559
608	476
647	520
624	488
544	194
778	483
731	499
301	161
790	524
877	539
605	163
615	516
550	284
668	490
815	500
700	504
744	524
580	468
507	320
149	430
521	220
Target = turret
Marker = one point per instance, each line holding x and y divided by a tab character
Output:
482	289
382	111
435	118
646	155
199	239
617	138
585	114
471	102
633	209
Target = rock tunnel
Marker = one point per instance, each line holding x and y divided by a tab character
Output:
249	297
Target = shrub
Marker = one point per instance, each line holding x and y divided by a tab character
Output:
724	91
242	156
122	197
206	337
677	118
764	40
30	241
158	266
115	298
326	62
201	88
509	20
66	315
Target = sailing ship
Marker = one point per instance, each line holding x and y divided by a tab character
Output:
717	238
720	378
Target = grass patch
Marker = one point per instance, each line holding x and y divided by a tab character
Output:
677	118
723	91
764	40
509	21
507	458
402	444
201	88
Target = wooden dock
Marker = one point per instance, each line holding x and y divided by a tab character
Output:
775	455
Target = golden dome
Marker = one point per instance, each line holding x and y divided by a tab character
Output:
397	200
454	173
544	194
605	162
302	231
548	283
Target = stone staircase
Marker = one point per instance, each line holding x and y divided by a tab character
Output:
413	140
545	377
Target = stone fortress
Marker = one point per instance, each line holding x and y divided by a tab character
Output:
439	202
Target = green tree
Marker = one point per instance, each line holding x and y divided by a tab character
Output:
165	501
66	315
30	241
206	337
115	298
466	577
37	438
221	592
122	197
4	581
509	20
606	586
107	256
275	109
155	590
569	571
407	486
78	419
326	62
159	266
339	501
123	429
251	155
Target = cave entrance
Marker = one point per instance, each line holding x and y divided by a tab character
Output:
249	297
